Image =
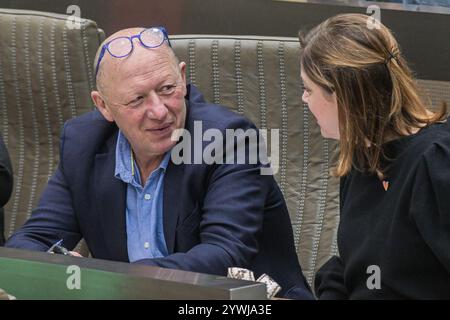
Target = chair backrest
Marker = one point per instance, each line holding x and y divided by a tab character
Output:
437	91
260	78
45	79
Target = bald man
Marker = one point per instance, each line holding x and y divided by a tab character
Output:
120	188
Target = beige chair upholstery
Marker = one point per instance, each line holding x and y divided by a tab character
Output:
45	79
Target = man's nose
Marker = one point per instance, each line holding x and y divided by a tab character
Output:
156	109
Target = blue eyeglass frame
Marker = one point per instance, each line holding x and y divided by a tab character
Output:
138	36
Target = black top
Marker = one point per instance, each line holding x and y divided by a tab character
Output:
404	230
6	184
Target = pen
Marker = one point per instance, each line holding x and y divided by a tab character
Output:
58	243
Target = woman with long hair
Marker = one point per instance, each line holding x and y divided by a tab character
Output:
394	164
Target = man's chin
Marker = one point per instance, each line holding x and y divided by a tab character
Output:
164	148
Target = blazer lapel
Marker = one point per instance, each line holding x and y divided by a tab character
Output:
111	203
171	207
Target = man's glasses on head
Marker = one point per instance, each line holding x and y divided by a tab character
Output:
121	47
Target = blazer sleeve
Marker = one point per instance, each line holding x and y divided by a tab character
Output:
53	219
232	216
6	174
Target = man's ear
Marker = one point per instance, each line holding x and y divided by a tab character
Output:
101	105
182	66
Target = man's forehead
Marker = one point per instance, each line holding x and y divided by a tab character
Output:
143	65
145	60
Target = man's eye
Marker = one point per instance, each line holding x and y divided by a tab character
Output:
166	90
135	102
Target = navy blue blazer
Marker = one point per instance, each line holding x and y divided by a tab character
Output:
215	216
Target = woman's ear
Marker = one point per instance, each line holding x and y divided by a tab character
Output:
101	105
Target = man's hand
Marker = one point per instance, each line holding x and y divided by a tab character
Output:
75	254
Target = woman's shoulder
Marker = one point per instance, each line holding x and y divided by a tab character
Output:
425	143
436	140
430	151
437	154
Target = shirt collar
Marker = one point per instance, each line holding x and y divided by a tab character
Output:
123	170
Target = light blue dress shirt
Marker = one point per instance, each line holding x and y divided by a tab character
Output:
144	211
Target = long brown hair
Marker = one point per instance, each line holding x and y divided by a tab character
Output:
378	98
